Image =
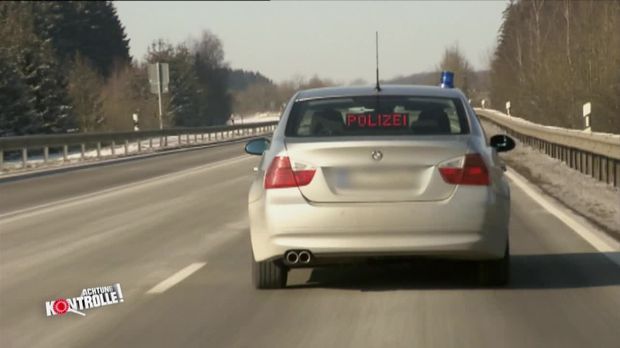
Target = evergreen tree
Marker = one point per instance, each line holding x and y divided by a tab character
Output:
84	88
90	28
212	74
239	80
38	70
16	113
185	95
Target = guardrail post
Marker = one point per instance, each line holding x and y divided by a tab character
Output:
1	159
565	154
195	138
113	148
98	149
65	152
179	140
616	175
208	136
126	145
202	137
609	164
24	157
150	143
187	139
166	141
82	151
611	173
604	170
139	145
46	153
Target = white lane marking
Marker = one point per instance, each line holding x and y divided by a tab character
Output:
26	212
176	278
596	241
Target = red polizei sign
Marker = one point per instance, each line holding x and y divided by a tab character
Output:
393	120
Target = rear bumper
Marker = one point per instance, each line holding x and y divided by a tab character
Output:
471	224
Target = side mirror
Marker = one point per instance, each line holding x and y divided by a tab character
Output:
502	143
257	146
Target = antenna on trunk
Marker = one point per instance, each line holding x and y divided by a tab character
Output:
377	87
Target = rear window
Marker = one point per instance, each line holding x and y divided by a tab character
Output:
380	116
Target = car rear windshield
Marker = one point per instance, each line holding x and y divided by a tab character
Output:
380	116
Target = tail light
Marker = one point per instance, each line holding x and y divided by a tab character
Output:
473	171
280	174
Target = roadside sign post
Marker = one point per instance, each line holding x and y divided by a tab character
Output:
587	110
159	78
136	125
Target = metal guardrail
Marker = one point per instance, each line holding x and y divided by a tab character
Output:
594	154
111	140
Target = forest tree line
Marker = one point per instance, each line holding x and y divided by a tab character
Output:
554	56
551	58
66	67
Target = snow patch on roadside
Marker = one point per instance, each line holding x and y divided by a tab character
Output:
255	118
591	198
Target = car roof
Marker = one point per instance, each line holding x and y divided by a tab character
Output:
387	90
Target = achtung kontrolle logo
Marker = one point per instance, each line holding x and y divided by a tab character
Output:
90	298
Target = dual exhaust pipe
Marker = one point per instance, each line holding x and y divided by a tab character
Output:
296	257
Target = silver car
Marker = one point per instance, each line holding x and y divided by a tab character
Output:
353	173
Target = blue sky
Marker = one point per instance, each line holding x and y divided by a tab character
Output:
331	39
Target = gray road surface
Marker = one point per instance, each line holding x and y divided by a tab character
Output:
159	215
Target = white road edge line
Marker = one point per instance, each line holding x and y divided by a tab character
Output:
176	278
596	241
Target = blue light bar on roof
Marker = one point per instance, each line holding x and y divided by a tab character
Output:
447	79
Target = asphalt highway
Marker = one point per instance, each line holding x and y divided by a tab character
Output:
173	231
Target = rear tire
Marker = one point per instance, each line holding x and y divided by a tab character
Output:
269	275
495	272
